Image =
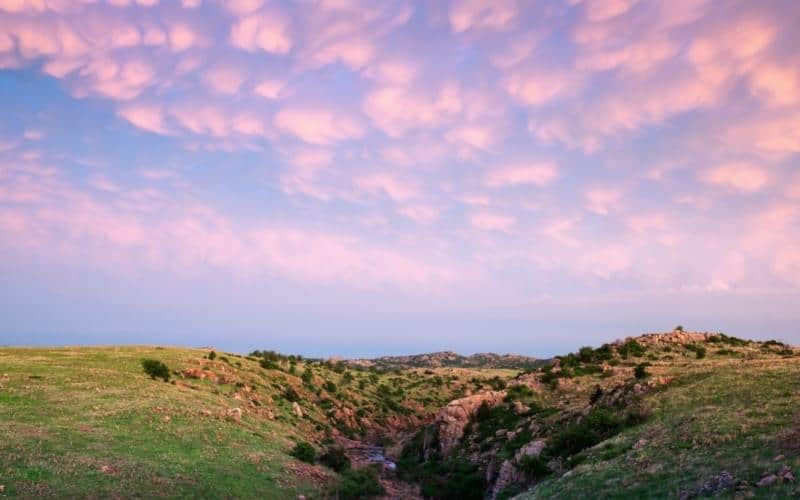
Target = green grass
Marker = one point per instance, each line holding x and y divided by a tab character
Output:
715	416
88	422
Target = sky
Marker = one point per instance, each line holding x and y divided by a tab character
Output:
356	178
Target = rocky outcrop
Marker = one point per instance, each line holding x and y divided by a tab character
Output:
509	473
673	337
453	418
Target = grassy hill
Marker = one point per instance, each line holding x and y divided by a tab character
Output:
87	421
660	416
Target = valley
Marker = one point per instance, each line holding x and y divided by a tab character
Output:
673	415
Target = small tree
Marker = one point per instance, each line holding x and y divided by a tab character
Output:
330	386
679	328
291	395
156	369
304	452
335	458
212	355
640	371
596	394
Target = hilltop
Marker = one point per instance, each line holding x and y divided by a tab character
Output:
675	415
452	360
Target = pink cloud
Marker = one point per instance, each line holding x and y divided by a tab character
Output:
536	174
270	89
182	37
481	14
263	31
602	200
540	86
318	126
71	226
387	184
488	221
421	214
472	136
777	84
602	10
225	79
147	117
397	110
740	177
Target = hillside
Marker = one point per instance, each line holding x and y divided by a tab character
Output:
87	421
706	414
452	360
675	415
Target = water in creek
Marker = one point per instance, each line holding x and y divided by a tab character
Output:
375	455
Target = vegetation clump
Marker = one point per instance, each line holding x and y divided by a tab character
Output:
698	350
291	395
359	484
156	369
304	452
335	458
640	371
631	348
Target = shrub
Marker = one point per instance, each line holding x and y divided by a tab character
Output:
497	383
518	392
335	458
533	467
212	355
304	452
156	369
359	483
452	479
698	350
307	377
721	338
679	328
599	424
640	371
269	364
631	348
596	394
329	386
291	395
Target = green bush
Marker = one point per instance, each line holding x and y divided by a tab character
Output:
598	425
533	467
329	386
156	369
452	479
721	338
640	371
698	350
335	458
518	392
596	394
631	348
358	484
497	383
304	452
291	395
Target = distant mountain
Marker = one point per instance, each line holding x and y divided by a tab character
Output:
449	359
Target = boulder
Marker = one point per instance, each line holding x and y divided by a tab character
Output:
297	410
532	449
234	414
507	475
453	418
767	480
